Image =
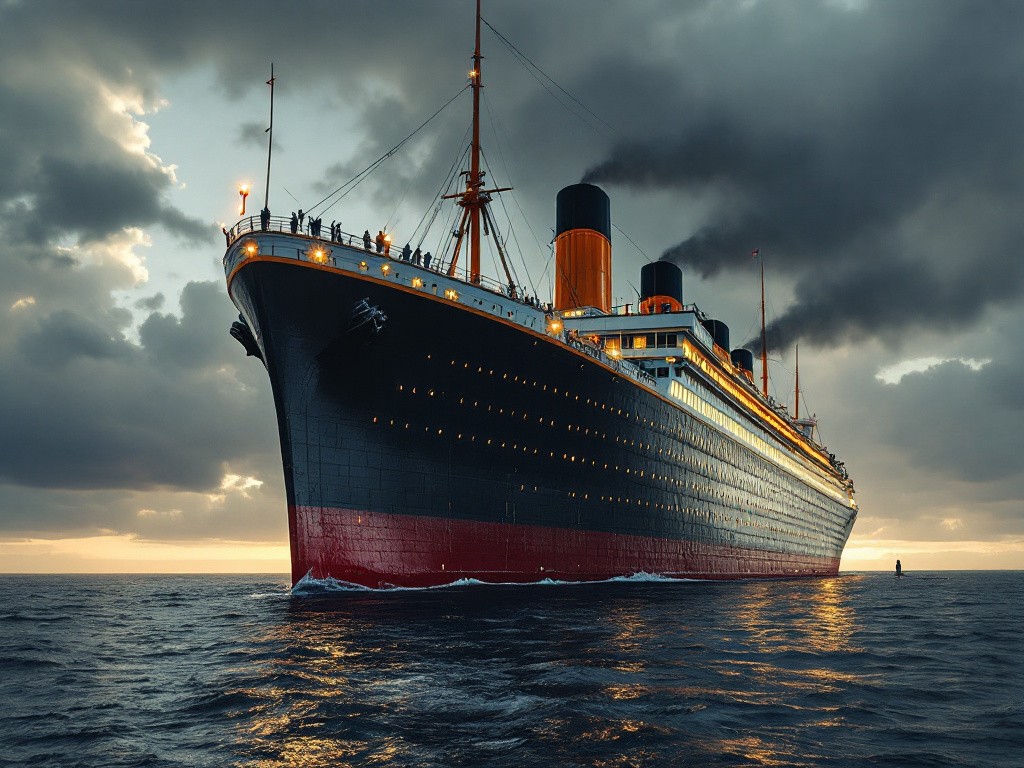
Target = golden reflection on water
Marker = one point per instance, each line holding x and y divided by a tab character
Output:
814	621
757	751
816	616
832	619
753	646
315	665
630	632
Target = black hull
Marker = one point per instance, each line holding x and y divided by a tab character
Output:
454	413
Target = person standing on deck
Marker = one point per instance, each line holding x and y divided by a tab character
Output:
899	570
380	241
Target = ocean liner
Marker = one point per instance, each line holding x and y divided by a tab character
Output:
437	425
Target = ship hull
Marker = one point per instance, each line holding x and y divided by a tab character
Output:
457	443
385	550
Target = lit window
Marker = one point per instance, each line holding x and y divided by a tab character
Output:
385	268
417	282
452	294
250	248
363	266
639	342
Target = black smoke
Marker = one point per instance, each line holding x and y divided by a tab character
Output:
886	183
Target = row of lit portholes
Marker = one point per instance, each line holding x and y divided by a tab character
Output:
664	429
729	421
711	519
709	466
797	524
701	443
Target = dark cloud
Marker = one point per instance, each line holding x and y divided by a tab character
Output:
65	336
907	122
152	303
83	408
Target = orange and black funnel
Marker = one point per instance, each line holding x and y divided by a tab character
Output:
583	248
661	288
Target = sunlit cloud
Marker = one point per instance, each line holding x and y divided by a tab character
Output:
893	374
169	514
119	248
26	301
124	107
234	483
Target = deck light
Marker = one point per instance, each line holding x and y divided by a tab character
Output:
318	253
555	326
243	190
250	248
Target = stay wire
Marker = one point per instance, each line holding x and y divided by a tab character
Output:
504	208
355	180
641	250
527	61
439	198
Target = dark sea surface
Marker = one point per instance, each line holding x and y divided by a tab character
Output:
233	670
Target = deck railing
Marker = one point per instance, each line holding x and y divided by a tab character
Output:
354	244
252	225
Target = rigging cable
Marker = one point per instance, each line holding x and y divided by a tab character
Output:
391	219
527	63
504	208
355	180
641	250
449	177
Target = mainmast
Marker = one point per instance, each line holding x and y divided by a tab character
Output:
473	198
764	338
796	397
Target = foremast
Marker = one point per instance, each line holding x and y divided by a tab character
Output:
474	198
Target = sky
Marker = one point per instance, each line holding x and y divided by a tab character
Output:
871	151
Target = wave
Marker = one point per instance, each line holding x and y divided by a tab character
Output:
308	586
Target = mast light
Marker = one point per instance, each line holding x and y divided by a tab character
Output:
243	191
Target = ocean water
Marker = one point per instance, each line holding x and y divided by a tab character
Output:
857	670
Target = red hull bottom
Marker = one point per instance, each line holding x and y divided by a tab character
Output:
377	550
